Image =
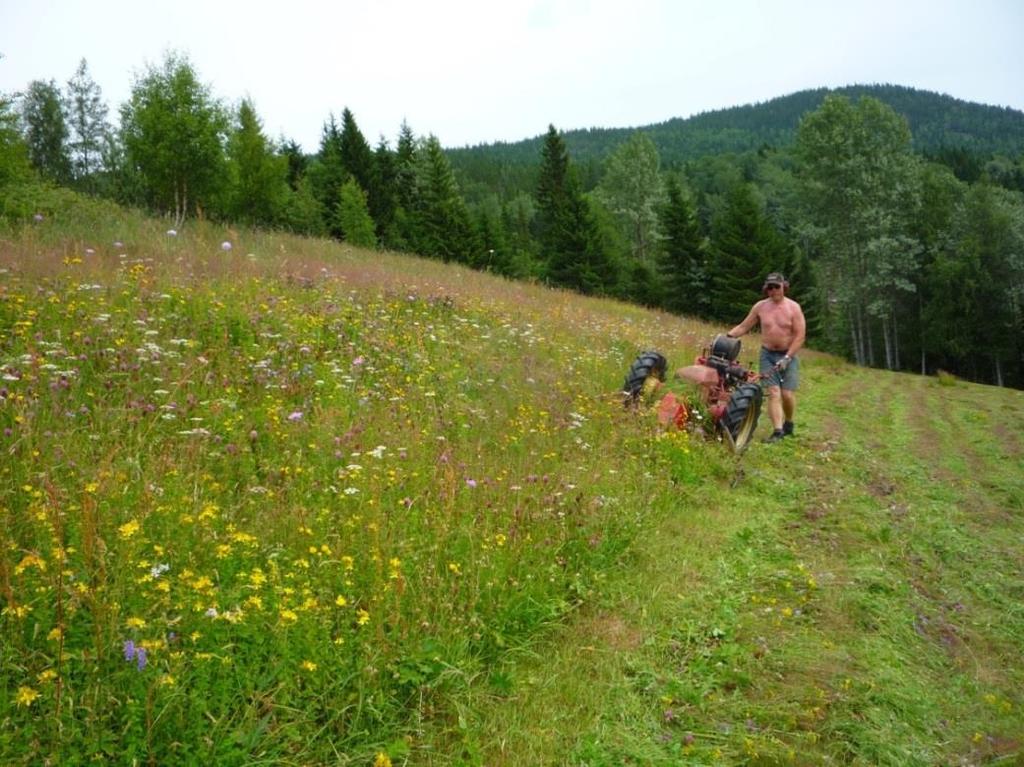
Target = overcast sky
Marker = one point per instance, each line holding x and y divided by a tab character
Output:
475	71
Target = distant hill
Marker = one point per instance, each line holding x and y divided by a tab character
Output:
936	121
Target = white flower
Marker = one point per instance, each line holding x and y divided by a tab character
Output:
172	233
225	246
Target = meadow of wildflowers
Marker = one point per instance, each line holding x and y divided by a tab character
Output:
269	500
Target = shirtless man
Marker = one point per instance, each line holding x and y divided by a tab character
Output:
783	330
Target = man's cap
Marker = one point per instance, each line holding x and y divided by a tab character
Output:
775	277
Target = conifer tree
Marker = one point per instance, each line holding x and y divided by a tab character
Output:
683	263
258	174
570	244
744	248
297	161
358	159
87	121
387	190
443	228
402	234
354	218
328	174
551	189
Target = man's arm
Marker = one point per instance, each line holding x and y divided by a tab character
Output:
799	331
748	323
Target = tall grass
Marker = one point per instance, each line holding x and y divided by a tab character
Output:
281	502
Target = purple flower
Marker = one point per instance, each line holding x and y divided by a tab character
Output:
225	246
295	416
129	650
470	483
140	657
359	360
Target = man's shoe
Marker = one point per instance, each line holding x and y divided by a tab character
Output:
787	429
775	436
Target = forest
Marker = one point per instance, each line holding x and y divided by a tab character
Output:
896	214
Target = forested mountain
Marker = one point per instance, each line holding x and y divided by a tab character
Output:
937	122
896	214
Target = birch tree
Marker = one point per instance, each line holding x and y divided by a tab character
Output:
174	134
859	184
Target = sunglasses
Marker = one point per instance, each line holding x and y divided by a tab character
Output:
772	286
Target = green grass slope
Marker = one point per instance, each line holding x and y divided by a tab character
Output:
296	503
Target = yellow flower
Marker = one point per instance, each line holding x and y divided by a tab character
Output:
309	665
455	568
363	617
30	560
127	530
46	676
167	680
26	696
340	601
382	760
289	616
136	623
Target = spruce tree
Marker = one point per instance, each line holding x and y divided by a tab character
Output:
443	228
571	247
551	190
87	121
358	159
387	190
258	175
744	248
683	263
296	160
354	216
327	175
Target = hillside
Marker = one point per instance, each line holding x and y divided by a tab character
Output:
936	121
270	499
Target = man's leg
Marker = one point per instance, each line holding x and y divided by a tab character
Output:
788	408
776	398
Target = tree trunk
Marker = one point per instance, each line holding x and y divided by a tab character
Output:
887	343
895	342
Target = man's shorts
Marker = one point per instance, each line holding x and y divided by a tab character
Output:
789	379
